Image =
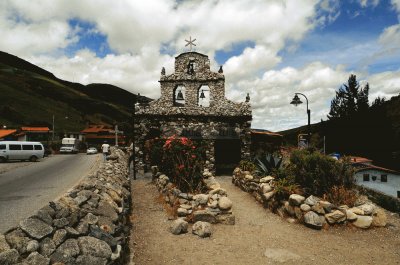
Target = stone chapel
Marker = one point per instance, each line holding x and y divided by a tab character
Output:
193	105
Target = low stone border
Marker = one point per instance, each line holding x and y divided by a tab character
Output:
212	207
312	211
88	225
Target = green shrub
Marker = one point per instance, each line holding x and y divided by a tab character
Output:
317	174
246	165
267	164
284	187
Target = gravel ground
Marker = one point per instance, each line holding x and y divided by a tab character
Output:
10	165
258	237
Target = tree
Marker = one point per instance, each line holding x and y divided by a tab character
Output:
378	101
349	99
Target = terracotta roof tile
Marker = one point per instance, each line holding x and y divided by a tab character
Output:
35	129
5	132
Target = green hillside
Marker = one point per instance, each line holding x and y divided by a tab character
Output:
31	95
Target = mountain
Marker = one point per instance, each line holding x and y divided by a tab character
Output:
31	95
374	134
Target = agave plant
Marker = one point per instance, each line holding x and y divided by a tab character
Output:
267	164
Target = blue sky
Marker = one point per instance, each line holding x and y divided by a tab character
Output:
269	49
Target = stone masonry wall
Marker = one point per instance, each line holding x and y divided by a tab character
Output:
88	225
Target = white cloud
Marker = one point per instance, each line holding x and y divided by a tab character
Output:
396	4
366	3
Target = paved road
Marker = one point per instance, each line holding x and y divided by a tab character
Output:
27	188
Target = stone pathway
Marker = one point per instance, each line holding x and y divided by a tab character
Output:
258	237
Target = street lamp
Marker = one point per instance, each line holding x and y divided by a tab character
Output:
296	101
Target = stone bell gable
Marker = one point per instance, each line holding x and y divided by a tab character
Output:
193	105
193	74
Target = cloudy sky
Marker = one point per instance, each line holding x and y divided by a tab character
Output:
268	48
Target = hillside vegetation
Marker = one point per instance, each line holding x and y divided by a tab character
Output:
31	95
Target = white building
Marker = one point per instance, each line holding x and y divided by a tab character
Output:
380	179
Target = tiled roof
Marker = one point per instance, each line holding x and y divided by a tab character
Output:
357	159
5	132
35	129
253	131
96	129
366	167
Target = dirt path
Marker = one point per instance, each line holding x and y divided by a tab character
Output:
258	237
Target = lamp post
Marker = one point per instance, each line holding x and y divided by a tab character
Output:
135	101
296	101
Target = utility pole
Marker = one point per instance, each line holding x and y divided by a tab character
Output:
116	135
53	129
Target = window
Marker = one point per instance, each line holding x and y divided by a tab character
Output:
384	178
38	147
2	147
27	147
366	177
15	147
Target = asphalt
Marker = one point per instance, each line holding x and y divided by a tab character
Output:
24	190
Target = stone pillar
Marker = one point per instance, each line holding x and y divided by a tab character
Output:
210	156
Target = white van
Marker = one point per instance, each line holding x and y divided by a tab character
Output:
16	150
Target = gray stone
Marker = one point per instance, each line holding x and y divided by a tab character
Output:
226	219
71	232
17	239
267	196
91	219
298	213
350	215
224	203
363	221
211	183
32	246
117	253
47	247
368	208
94	247
213	204
43	214
265	187
218	191
205	216
3	243
296	199
35	228
201	199
90	260
59	236
288	208
357	211
182	212
60	223
326	205
335	217
179	226
266	179
202	229
312	200
105	209
379	218
313	220
81	199
277	255
83	228
318	208
305	207
9	257
66	252
36	259
99	233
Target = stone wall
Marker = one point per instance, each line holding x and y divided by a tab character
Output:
388	202
213	207
311	211
88	225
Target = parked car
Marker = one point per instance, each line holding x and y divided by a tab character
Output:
16	150
91	151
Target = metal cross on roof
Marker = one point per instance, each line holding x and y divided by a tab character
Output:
190	43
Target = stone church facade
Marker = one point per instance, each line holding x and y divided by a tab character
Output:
193	105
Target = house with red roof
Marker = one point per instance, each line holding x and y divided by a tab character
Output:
377	178
34	134
7	134
96	135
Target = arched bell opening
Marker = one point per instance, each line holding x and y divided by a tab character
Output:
179	96
204	96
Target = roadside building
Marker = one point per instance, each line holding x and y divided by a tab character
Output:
193	105
263	141
34	134
96	135
377	178
7	134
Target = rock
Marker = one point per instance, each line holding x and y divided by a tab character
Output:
311	219
94	247
213	204
105	209
44	215
47	247
379	218
32	246
81	199
305	207
326	205
226	219
265	187
59	236
3	244
357	211
248	177
201	199
90	260
266	179
60	223
205	216
17	239
35	228
288	208
202	229
368	208
363	221
318	208
117	253
9	257
312	200
99	233
182	212
179	226
298	213
267	196
218	191
91	219
350	215
71	232
335	217
66	252
291	220
186	206
224	203
296	199
36	259
211	183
